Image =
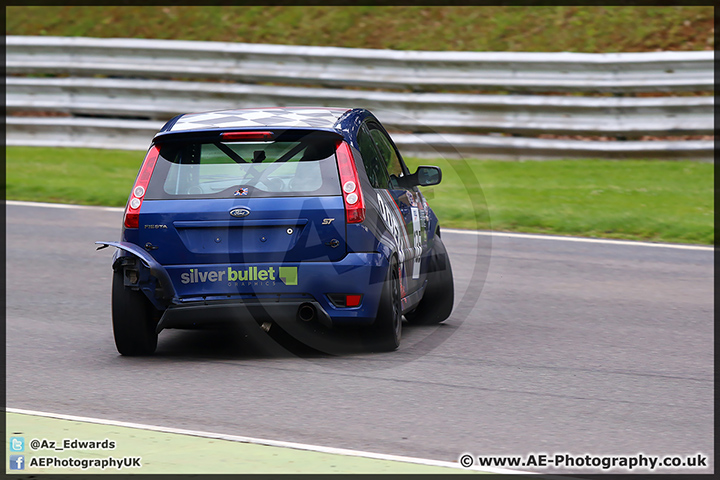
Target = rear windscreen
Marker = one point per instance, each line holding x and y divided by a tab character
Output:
291	165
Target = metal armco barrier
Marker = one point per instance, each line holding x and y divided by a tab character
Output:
526	114
153	87
332	66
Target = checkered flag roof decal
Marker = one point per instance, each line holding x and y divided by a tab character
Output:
261	117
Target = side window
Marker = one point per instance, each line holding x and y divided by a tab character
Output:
374	164
389	155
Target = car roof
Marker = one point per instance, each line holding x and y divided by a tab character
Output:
287	117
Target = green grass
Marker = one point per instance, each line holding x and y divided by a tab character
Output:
71	175
466	28
669	201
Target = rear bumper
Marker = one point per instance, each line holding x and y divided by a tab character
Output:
221	312
197	295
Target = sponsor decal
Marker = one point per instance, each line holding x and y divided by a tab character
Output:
417	237
411	199
395	223
390	217
251	275
288	275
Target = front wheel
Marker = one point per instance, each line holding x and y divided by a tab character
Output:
437	301
133	319
384	334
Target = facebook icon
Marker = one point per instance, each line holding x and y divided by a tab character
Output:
17	462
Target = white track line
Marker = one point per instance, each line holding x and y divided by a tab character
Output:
528	236
63	205
271	443
531	236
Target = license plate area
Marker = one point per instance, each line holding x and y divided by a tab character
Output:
209	238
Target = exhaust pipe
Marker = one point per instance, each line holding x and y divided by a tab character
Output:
307	312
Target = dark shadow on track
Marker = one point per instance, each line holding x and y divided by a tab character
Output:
288	339
237	342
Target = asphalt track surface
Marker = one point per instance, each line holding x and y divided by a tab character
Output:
553	347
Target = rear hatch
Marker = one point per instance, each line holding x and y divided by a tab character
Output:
245	197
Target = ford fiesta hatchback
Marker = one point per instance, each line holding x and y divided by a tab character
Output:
299	214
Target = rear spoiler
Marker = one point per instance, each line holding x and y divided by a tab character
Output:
215	134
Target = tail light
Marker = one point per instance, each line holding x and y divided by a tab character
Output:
132	210
352	193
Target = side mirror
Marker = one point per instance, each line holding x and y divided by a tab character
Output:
428	176
424	176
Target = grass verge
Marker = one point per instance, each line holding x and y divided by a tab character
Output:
651	200
666	201
594	29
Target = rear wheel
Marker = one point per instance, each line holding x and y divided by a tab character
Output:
384	334
134	319
437	301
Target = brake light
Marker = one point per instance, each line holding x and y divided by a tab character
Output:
246	136
132	210
353	300
345	300
352	193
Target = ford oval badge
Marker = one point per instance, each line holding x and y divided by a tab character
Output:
240	212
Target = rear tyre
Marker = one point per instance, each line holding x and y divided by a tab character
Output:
134	319
384	335
437	301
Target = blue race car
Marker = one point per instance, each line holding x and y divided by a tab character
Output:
306	214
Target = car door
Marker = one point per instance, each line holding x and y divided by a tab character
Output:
405	203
